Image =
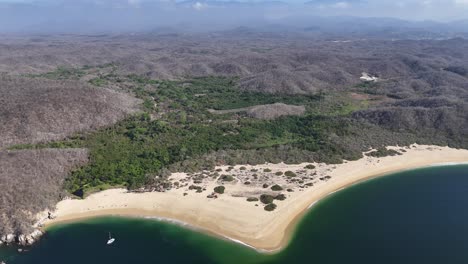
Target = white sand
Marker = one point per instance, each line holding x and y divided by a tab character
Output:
232	216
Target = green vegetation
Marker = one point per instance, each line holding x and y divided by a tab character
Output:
195	187
227	178
310	167
219	189
290	174
372	88
383	152
278	173
98	82
266	198
252	199
176	131
276	187
270	207
62	73
280	197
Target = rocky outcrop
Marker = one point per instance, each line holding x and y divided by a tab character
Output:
22	239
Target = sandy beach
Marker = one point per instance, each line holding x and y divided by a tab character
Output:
231	215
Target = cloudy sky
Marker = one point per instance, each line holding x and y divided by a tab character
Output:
125	15
445	10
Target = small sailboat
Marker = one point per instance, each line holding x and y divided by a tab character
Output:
111	239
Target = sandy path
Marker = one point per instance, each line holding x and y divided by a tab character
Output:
232	216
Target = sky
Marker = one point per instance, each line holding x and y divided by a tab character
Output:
127	15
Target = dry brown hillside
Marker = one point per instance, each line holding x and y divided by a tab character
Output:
31	181
34	110
273	63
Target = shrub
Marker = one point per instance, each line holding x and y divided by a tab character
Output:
276	187
266	170
247	183
280	197
265	185
290	174
270	207
219	189
194	187
227	178
310	167
252	199
266	198
242	168
279	173
383	152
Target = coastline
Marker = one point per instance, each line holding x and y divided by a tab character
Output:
232	217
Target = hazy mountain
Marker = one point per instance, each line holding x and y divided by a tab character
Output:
326	16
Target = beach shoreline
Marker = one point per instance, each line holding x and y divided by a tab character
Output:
232	218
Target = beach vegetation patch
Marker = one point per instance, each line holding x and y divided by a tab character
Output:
290	174
227	178
266	198
270	207
219	189
280	197
383	152
276	187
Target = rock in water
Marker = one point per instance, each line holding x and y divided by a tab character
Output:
31	238
22	240
9	238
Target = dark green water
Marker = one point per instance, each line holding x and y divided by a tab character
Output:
418	216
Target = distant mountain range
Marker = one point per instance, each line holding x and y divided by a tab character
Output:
312	18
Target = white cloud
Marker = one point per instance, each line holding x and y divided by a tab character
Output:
199	6
341	5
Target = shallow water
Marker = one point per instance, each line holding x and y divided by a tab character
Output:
418	216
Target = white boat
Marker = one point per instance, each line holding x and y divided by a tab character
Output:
111	239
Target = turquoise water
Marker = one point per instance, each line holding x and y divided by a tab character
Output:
419	216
